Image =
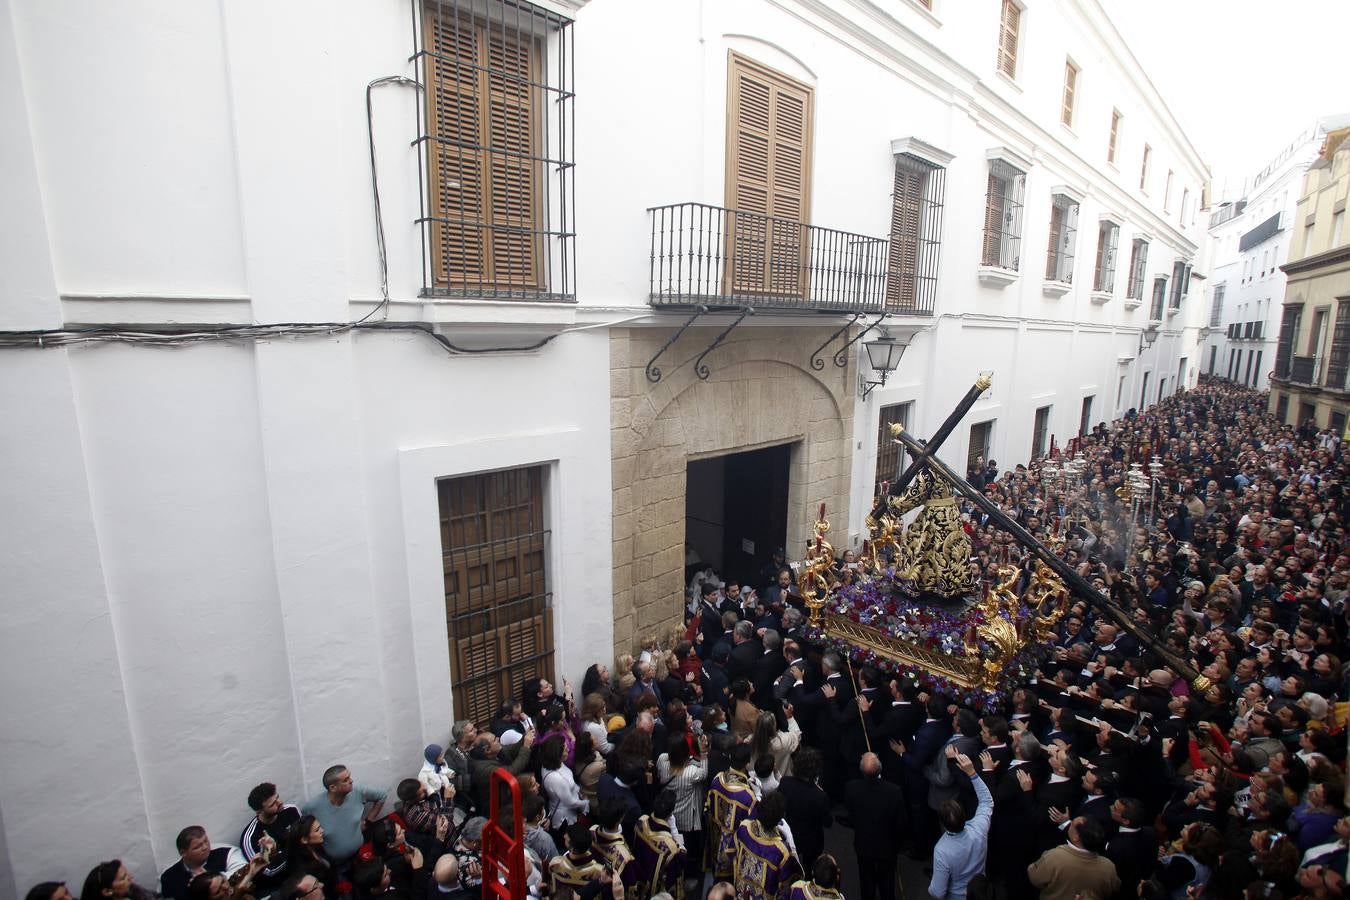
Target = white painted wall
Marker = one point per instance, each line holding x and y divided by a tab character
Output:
222	562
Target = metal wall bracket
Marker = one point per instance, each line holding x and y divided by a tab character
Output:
841	358
653	371
700	369
816	362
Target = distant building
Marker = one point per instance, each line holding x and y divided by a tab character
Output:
1249	238
1312	359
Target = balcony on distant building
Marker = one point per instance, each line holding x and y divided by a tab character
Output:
704	255
1303	370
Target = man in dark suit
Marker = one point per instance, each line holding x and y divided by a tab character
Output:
808	806
820	707
1011	842
1061	793
745	651
1099	787
766	669
994	737
619	784
899	722
877	809
1134	849
917	756
857	719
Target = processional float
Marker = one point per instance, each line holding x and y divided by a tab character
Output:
911	609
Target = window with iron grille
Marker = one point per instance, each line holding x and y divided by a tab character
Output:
1063	234
497	147
1143	168
1138	264
916	234
889	454
1181	275
1339	360
1040	432
1159	298
1113	136
1003	216
1167	192
1010	24
1284	350
1085	416
498	607
1216	308
1104	274
980	446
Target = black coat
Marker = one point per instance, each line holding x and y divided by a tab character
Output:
808	815
763	674
877	809
743	659
1135	854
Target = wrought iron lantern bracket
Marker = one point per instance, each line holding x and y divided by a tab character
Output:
700	369
654	371
816	362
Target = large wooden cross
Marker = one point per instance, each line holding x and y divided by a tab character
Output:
925	456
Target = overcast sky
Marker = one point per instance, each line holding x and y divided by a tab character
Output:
1242	77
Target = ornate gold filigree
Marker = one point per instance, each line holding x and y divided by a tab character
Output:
936	549
813	581
984	382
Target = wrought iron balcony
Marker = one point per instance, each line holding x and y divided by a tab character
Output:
705	255
1303	371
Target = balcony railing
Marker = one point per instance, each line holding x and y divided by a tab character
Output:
1303	370
708	255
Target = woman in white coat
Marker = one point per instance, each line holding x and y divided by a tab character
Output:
561	794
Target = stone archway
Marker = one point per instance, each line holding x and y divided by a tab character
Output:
761	392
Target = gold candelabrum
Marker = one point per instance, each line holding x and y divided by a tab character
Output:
1046	599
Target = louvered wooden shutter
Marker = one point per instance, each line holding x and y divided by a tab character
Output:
1070	84
906	235
993	221
483	120
768	180
1007	44
1056	238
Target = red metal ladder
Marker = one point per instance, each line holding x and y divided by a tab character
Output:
503	855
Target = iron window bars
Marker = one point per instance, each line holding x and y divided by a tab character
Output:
1159	298
496	149
1003	216
1104	275
1138	265
916	236
1063	234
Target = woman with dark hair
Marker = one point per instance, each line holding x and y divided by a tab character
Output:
587	767
562	795
387	843
111	881
553	724
597	681
305	855
685	775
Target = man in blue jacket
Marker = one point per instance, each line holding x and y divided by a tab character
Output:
960	852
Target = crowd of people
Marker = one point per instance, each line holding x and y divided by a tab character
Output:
713	763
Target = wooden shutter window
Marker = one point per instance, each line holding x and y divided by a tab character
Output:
994	199
906	236
768	179
1070	86
1056	238
483	120
1010	21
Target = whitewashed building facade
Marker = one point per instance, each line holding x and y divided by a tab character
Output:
280	541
